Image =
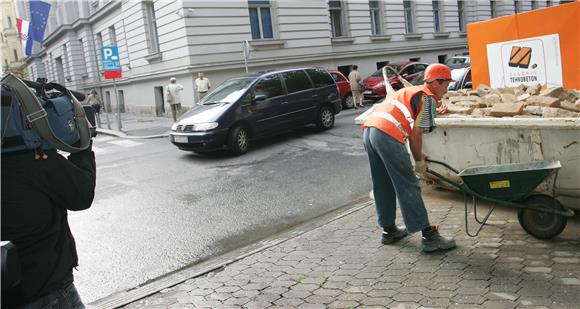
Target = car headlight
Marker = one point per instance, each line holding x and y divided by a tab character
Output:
174	127
381	84
204	126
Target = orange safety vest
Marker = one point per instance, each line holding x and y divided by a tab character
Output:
395	117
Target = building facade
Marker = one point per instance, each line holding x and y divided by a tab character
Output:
161	39
11	53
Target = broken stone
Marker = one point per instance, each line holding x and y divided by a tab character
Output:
534	110
524	96
506	109
508	98
491	99
470	104
543	101
551	112
555	92
465	98
456	109
577	103
481	112
570	106
483	90
534	89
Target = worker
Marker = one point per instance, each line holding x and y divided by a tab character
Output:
386	131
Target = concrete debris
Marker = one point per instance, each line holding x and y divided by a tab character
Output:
522	101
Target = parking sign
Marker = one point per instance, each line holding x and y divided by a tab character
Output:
110	57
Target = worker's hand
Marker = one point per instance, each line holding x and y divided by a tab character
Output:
442	109
420	167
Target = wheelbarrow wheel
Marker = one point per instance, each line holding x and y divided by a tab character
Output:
541	225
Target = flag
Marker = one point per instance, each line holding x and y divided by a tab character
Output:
25	39
38	18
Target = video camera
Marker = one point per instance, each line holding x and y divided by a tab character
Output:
42	115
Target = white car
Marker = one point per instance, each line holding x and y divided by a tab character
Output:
458	62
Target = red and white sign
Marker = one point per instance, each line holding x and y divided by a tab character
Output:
112	74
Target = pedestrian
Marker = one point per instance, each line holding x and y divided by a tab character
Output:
95	101
202	85
36	197
173	94
386	131
356	87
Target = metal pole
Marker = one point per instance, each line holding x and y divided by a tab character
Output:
119	126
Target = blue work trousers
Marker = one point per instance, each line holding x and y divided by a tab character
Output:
394	178
63	298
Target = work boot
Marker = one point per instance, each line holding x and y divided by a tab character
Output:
393	234
432	241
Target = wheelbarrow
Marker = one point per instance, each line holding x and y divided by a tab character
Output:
540	215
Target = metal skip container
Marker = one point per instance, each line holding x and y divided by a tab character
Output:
464	142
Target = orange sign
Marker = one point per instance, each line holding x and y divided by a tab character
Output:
562	21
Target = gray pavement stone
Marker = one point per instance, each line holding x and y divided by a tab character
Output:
343	265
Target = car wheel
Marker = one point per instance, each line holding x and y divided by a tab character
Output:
325	118
348	101
239	140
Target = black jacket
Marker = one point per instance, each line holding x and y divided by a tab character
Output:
36	195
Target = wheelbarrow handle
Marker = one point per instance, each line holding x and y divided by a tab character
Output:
444	164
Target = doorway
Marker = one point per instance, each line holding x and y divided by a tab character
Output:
441	58
159	106
108	101
121	101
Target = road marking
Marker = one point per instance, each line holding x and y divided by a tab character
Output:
125	143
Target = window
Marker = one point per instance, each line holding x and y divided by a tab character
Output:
534	4
548	3
336	18
436	16
296	81
320	77
260	20
15	54
83	62
408	10
112	35
493	8
461	13
151	24
59	70
9	19
337	78
517	7
376	20
270	86
99	45
381	64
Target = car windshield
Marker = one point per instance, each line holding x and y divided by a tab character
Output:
228	92
390	73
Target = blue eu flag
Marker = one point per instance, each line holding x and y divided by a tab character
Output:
38	18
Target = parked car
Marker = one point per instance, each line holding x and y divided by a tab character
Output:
374	85
255	105
458	62
461	77
343	88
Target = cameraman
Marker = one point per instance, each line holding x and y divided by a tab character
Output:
36	195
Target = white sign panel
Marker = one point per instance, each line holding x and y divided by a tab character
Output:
528	61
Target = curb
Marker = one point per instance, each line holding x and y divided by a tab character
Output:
125	135
123	298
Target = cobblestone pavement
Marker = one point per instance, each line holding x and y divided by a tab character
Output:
343	265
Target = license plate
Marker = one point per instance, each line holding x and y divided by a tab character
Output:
368	92
180	139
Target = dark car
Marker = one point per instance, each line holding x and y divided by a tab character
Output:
374	85
343	88
251	106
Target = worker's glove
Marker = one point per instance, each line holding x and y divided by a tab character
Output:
420	167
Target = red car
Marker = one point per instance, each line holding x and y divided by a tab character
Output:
375	87
343	85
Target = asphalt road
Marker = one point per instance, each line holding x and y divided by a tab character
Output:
158	209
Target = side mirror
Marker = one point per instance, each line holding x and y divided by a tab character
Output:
259	97
469	85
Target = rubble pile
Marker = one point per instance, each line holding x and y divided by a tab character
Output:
521	101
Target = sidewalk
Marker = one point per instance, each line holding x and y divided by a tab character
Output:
135	126
340	263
